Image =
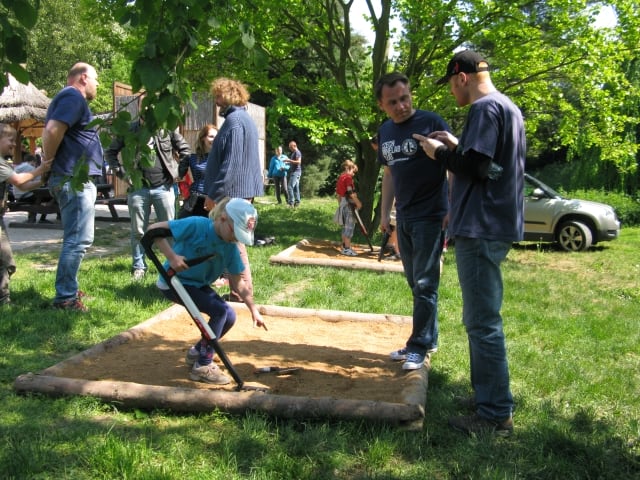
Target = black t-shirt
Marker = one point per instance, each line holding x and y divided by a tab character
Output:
419	182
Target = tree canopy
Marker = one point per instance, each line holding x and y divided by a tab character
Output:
576	83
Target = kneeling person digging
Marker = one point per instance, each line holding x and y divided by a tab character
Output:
215	240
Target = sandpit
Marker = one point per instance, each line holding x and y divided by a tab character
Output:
344	369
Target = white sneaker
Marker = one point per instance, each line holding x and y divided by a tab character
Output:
208	374
138	274
348	252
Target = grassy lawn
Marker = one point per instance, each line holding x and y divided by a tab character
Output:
574	348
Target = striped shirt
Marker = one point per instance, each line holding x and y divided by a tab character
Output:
233	168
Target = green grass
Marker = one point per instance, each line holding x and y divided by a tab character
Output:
574	349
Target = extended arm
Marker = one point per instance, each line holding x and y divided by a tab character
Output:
159	233
239	285
444	150
388	194
29	180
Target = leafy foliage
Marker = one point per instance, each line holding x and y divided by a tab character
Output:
70	31
17	18
576	83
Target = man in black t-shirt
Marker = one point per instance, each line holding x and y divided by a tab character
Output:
487	209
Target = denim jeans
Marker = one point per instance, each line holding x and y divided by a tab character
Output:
7	264
77	213
163	201
421	246
222	317
280	184
293	188
480	279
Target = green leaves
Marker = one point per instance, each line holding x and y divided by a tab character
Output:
149	74
16	18
26	13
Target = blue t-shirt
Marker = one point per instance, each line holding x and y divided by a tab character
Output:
491	209
78	143
297	167
195	237
419	183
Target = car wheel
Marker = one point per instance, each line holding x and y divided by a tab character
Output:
574	236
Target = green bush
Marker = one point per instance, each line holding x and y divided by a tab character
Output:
314	176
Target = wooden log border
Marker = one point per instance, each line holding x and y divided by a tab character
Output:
286	257
408	413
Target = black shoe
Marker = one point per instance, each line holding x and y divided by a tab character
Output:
477	425
74	305
465	403
469	403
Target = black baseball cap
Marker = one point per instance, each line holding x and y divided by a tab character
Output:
466	61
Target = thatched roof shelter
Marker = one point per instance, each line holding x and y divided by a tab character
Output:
24	107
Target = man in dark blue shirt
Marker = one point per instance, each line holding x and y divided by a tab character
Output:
420	190
68	141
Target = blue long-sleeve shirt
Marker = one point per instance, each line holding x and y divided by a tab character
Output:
233	168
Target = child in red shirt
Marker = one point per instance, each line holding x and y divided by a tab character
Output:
348	200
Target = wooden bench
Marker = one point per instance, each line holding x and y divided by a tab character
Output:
44	204
108	197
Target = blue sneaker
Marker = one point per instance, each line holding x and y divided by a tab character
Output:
399	355
414	361
192	356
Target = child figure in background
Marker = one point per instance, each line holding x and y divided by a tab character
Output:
25	181
348	201
231	221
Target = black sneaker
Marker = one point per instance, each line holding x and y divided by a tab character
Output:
465	403
74	305
477	425
469	403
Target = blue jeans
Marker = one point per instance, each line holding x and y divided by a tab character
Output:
480	279
140	201
77	213
293	188
222	317
421	246
7	264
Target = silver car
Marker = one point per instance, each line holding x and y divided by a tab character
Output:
575	225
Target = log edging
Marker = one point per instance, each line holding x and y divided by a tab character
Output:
408	413
286	257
